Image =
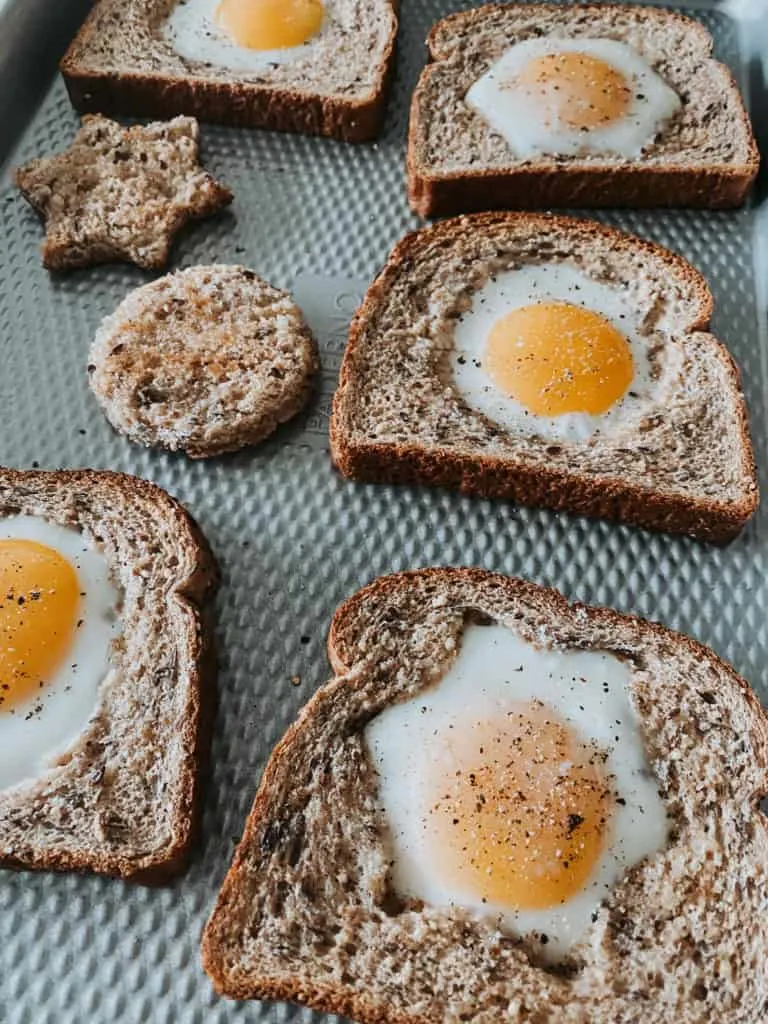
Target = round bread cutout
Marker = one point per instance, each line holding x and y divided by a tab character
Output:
205	360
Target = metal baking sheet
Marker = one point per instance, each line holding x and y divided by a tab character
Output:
318	217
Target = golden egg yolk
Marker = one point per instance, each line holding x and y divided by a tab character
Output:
556	358
39	606
270	24
576	90
523	811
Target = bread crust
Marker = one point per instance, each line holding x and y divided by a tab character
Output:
547	486
192	591
548	183
343	632
547	186
234	978
236	103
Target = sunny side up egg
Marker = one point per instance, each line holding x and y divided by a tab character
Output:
517	789
546	350
59	614
244	35
566	97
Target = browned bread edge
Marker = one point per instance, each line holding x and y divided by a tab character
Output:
602	498
547	184
240	104
342	634
192	592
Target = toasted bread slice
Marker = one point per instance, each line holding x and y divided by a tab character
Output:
205	360
123	799
124	60
704	156
684	464
308	912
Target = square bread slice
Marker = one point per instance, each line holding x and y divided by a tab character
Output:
308	911
124	62
705	155
122	798
682	463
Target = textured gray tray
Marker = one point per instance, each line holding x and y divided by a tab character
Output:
293	539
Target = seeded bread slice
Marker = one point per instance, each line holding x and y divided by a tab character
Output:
686	467
307	911
205	360
120	194
124	799
705	157
121	62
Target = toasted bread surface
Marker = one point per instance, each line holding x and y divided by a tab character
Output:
307	911
397	417
205	360
124	800
120	194
705	157
121	62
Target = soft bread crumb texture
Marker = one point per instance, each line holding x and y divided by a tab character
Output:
397	416
706	156
124	801
122	62
205	360
307	912
120	194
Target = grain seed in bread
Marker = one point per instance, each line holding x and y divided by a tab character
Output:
155	58
122	797
704	155
673	454
205	360
309	912
120	194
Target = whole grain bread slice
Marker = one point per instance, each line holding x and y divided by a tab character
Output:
120	194
307	911
686	467
122	62
124	799
705	157
205	360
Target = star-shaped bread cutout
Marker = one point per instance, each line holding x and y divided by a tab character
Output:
120	194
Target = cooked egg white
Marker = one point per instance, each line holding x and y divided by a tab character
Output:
517	789
567	97
244	35
59	613
545	350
